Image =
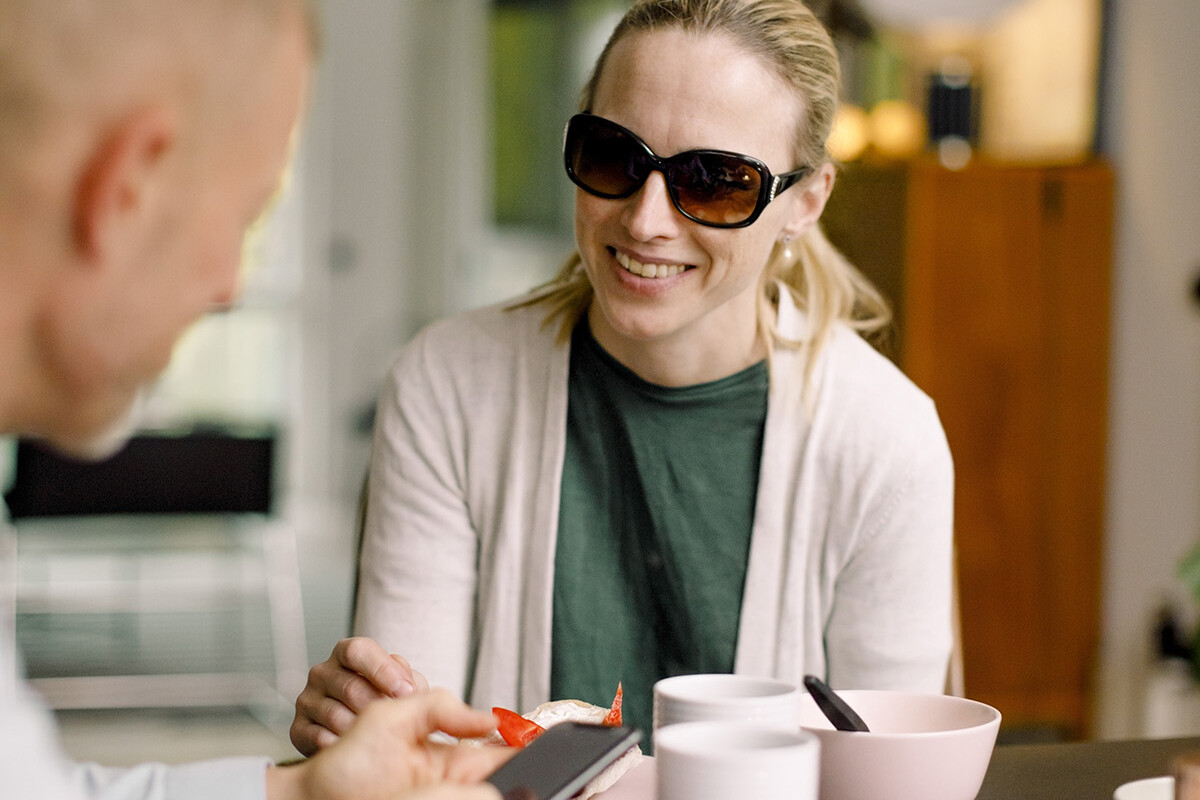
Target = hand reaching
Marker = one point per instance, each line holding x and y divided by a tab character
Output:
357	673
387	754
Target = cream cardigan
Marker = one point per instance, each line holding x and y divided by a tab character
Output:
849	573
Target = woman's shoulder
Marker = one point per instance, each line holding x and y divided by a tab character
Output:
851	376
868	405
857	371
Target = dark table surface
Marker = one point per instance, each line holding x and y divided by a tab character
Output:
1078	770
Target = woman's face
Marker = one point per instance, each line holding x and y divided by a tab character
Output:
681	91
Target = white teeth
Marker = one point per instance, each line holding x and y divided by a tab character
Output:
649	270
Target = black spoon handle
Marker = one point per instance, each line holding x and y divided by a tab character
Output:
833	707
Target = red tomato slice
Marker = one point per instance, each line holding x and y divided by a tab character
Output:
515	729
613	717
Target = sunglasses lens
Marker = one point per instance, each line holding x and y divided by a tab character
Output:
715	188
604	159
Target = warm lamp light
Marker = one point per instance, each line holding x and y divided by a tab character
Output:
849	136
897	129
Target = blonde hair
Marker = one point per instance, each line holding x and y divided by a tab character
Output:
789	38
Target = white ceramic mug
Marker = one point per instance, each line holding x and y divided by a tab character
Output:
740	698
743	760
1161	788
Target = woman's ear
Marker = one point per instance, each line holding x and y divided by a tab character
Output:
118	179
809	202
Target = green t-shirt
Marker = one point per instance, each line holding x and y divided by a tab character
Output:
658	494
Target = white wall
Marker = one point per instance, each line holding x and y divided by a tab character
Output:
1154	447
353	154
394	172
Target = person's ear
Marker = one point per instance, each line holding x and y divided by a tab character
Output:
809	202
119	179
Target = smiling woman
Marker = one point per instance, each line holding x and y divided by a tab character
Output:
679	455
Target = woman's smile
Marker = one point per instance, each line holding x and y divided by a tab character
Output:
649	269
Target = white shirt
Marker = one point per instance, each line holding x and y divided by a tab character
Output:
33	766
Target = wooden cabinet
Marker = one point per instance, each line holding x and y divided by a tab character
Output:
1000	278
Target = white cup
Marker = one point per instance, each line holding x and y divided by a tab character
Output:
743	760
740	698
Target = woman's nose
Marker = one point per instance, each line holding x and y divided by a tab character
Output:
650	213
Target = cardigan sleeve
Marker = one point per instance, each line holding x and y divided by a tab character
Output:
890	622
456	569
417	567
850	566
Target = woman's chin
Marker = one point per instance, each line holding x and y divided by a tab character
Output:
632	326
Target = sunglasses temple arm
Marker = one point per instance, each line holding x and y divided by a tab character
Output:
781	182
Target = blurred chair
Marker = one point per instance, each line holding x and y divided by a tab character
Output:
167	545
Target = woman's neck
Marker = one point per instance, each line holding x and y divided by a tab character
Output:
686	357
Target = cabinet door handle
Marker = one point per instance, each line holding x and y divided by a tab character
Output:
1053	191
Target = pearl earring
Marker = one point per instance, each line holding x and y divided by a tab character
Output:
787	248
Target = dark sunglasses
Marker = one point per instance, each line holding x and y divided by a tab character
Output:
711	187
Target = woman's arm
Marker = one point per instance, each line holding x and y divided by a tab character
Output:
890	625
416	565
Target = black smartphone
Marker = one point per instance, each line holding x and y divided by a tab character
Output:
557	764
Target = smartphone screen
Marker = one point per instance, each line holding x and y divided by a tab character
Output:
562	760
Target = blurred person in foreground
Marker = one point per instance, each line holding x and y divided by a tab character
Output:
138	140
679	456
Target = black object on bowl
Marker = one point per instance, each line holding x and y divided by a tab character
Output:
843	717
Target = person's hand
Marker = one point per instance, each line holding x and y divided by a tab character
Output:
357	673
387	753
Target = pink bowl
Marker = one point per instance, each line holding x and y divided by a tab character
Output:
920	747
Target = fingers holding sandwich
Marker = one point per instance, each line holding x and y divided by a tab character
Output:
357	673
